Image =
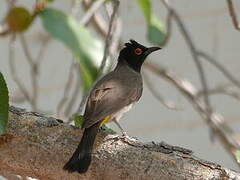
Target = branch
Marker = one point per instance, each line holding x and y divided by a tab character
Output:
75	93
222	89
76	4
90	12
38	146
33	70
98	21
167	103
225	134
220	67
193	51
115	35
215	121
67	87
13	71
233	14
109	38
109	35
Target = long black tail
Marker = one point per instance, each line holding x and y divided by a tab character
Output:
81	158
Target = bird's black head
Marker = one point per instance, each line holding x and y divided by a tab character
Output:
134	54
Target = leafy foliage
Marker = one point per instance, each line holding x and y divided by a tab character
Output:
4	105
146	7
238	156
78	39
78	120
156	33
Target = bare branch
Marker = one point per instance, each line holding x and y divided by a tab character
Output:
216	121
33	71
193	51
90	12
106	50
226	137
42	51
18	81
222	89
75	93
85	21
98	20
233	14
66	89
109	35
169	27
219	67
116	36
75	7
169	104
26	50
11	3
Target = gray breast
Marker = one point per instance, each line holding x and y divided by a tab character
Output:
120	113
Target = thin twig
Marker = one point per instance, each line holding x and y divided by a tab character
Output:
98	21
26	50
107	43
66	89
33	71
74	11
42	51
75	93
169	104
75	7
90	12
193	52
82	104
233	14
220	67
18	81
169	27
198	63
85	20
216	123
116	36
109	35
222	89
222	130
10	3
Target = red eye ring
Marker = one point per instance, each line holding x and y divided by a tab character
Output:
138	51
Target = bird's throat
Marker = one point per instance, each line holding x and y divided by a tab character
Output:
136	66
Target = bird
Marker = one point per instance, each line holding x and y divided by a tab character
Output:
111	97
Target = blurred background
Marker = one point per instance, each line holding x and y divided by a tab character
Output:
211	30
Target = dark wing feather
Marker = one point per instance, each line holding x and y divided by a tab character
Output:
110	95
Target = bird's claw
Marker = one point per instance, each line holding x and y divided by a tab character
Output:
125	138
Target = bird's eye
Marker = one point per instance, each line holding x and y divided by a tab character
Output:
138	51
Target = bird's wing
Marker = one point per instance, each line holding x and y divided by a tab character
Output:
107	98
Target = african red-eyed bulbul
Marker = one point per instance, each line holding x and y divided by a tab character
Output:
111	96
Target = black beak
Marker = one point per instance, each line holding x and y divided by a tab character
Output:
152	49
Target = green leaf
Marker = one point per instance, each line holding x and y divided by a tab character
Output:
4	105
108	130
156	32
78	120
238	156
146	8
87	49
49	1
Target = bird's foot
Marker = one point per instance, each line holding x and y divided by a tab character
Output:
124	138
